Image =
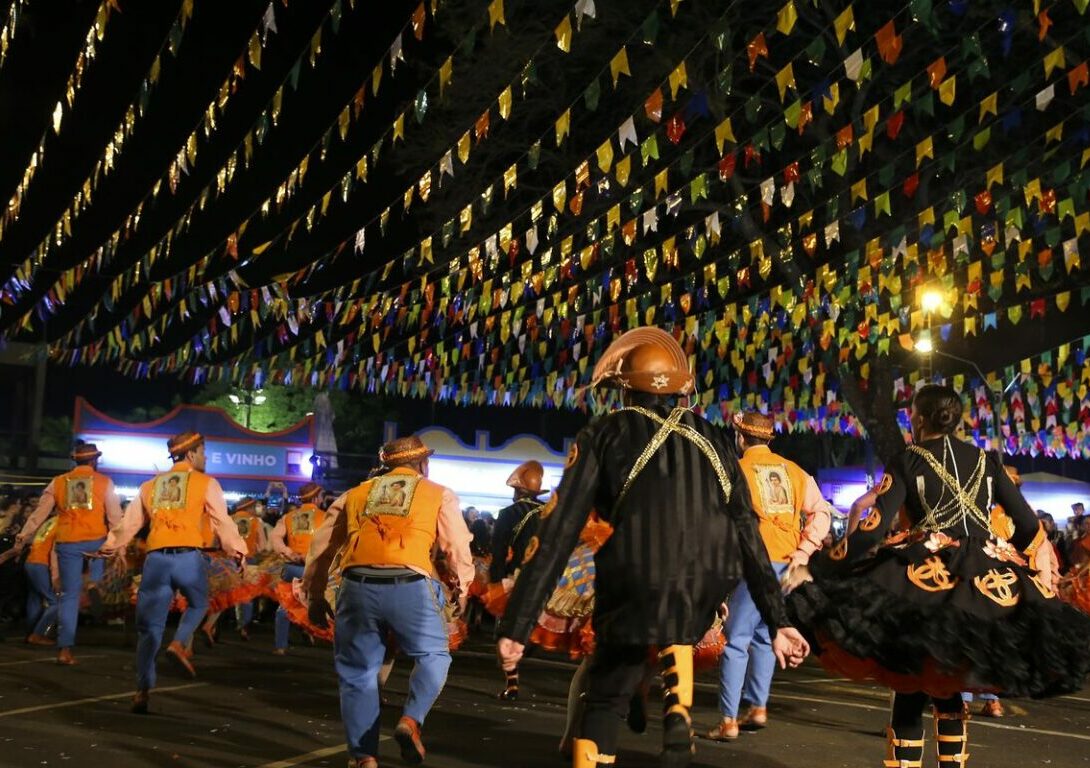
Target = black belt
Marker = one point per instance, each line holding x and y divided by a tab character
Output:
175	550
369	579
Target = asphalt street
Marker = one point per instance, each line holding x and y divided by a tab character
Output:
248	708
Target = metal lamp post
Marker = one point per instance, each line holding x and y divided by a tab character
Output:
248	398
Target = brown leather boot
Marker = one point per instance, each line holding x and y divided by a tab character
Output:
33	639
177	653
362	762
140	703
65	657
407	736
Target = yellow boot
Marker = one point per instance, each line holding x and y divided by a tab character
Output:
952	739
676	665
902	753
585	755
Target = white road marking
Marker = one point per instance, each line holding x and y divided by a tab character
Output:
78	702
44	660
298	759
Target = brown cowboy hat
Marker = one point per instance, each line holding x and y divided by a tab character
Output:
527	477
403	450
181	444
309	491
645	360
758	425
85	452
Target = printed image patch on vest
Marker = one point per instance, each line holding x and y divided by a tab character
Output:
170	490
775	488
243	524
302	521
391	495
77	493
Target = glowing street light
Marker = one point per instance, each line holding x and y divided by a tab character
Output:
924	345
248	398
931	301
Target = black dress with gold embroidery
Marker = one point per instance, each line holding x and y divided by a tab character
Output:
923	596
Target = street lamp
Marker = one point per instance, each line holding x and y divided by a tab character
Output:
248	398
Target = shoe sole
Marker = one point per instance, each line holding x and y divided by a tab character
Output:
409	753
676	757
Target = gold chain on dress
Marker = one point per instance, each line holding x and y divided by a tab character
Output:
537	505
946	514
668	426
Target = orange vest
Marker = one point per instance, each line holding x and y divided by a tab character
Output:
80	498
249	527
300	527
174	502
777	487
41	546
392	520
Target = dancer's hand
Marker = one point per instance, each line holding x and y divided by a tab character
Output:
320	612
790	647
796	576
9	555
510	653
55	583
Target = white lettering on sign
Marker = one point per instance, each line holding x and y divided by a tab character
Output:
249	460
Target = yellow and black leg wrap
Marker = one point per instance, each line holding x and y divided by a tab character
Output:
676	665
952	739
903	752
585	755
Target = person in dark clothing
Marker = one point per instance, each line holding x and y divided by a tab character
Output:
684	533
945	603
516	525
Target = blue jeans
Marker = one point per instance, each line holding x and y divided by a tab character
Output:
365	613
747	665
282	627
967	697
70	561
164	573
41	600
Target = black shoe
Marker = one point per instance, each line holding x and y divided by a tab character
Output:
637	713
677	742
508	694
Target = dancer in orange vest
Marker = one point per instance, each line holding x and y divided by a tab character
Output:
87	506
179	504
387	527
792	518
291	538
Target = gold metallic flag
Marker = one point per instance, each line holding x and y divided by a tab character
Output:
495	14
563	34
679	78
724	132
605	156
505	103
618	65
786	18
844	22
563	125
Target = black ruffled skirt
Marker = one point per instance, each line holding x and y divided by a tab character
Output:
944	616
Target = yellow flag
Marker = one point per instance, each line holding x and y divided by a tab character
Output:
495	14
399	127
504	102
679	78
624	170
724	132
843	23
445	72
1055	133
661	182
948	90
1053	60
989	106
376	79
829	103
463	148
924	149
605	156
785	79
560	196
859	190
510	179
618	65
994	176
563	125
786	18
563	34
